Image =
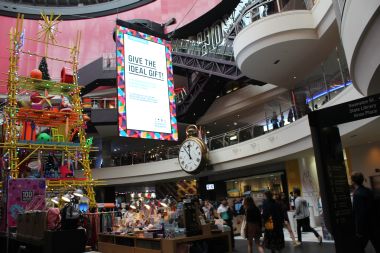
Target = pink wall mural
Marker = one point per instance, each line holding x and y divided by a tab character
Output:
96	34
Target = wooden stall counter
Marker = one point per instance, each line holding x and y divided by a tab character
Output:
110	243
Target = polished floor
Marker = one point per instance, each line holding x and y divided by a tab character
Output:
309	245
306	247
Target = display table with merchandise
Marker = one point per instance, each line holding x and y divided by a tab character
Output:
61	241
113	243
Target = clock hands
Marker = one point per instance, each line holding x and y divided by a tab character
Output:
188	152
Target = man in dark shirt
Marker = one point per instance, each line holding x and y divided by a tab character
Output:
365	216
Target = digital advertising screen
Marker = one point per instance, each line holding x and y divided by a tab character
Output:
146	103
210	187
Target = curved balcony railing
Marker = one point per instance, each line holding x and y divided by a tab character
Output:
245	14
267	124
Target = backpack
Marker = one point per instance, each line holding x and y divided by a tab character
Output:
70	216
53	218
269	224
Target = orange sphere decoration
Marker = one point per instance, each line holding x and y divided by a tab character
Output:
36	74
86	117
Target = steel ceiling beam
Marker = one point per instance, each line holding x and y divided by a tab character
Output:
208	65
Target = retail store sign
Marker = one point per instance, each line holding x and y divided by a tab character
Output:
214	34
26	196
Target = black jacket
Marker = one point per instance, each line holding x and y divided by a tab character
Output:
254	216
363	210
271	208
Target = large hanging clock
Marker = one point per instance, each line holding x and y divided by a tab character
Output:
193	152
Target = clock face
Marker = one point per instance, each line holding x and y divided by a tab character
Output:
191	156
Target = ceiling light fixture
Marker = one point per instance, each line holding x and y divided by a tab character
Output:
66	198
55	200
78	193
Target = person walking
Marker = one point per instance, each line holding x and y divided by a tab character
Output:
284	204
364	213
291	201
273	218
253	224
226	213
302	216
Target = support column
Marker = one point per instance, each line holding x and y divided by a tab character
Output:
335	192
309	184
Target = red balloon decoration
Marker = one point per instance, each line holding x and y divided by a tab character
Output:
36	74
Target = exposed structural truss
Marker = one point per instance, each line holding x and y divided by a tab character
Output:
196	87
208	65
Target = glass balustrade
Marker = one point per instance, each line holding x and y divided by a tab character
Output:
261	127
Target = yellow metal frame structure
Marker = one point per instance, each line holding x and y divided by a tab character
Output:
11	140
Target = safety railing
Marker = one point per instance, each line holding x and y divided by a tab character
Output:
267	124
218	41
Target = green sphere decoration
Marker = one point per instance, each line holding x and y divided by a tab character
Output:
44	137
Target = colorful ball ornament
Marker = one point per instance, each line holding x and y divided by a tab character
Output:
44	137
86	117
36	74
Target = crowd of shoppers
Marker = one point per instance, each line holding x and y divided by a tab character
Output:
263	226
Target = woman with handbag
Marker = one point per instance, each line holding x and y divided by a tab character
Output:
273	217
252	224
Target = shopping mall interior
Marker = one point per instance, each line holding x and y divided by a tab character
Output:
152	126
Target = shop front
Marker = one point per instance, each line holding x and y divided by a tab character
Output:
255	186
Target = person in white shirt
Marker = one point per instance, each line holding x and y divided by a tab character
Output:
226	213
208	210
302	216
